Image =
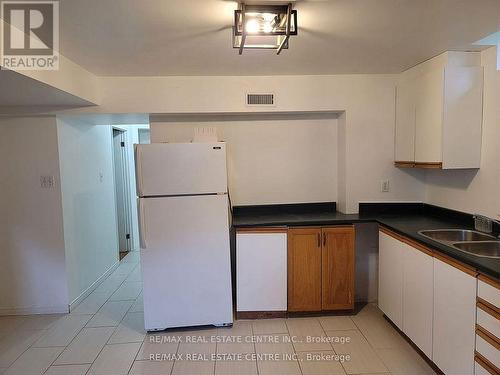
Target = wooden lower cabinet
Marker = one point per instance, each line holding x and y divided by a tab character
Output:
337	268
321	268
304	269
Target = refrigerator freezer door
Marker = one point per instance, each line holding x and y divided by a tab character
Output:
186	263
181	169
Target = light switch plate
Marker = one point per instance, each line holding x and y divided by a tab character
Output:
47	182
384	186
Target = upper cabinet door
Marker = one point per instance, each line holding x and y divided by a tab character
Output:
338	268
462	117
405	122
429	117
304	269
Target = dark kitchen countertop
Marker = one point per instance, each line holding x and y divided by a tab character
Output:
406	221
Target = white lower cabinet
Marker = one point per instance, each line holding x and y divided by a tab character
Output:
261	271
432	302
454	319
390	278
418	297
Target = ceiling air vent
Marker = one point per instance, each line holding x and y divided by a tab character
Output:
260	99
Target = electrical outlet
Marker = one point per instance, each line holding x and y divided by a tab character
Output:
384	186
101	177
47	182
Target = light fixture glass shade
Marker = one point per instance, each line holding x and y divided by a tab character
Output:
264	26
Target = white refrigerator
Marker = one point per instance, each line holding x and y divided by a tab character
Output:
184	234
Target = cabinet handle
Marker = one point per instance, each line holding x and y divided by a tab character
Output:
319	240
324	239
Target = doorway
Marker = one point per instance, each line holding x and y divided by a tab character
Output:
122	191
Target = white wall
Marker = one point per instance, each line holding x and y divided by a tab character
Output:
271	161
476	191
32	259
89	209
368	102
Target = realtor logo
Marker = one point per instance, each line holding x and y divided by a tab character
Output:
30	35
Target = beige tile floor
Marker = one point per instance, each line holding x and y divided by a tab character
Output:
105	335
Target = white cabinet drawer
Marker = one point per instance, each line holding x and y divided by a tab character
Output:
480	370
488	293
261	271
488	322
488	351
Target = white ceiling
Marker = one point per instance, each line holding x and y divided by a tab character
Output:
193	37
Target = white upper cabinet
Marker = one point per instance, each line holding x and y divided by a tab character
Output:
439	113
405	121
429	117
462	117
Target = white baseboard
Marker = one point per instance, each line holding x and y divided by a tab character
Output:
63	309
93	286
389	201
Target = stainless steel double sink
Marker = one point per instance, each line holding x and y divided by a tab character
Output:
468	241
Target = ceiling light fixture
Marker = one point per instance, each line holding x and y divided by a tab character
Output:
264	27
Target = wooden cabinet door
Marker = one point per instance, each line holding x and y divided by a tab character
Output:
338	268
390	278
304	269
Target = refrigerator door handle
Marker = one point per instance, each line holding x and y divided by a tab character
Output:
142	225
138	169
